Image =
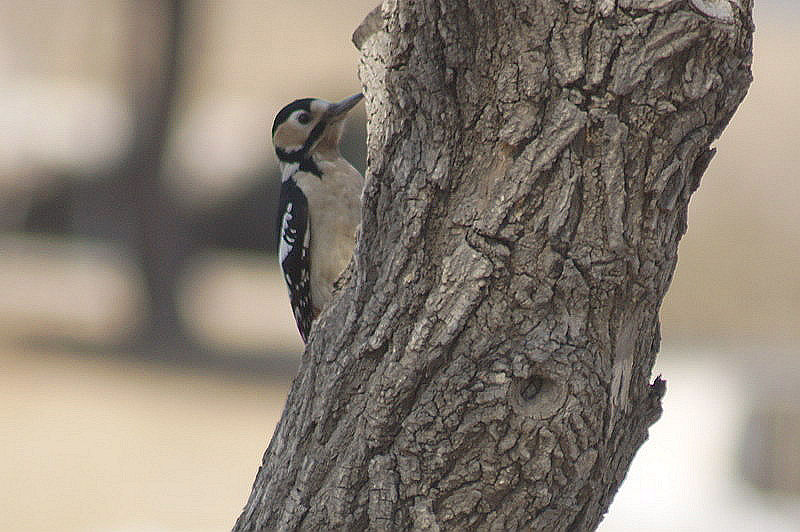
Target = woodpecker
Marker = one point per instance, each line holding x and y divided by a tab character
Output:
320	205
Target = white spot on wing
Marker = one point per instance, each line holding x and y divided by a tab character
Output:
288	170
285	246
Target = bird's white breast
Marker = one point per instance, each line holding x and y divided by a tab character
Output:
334	215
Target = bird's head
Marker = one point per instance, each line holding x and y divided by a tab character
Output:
308	125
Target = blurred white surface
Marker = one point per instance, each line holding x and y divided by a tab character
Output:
57	287
685	477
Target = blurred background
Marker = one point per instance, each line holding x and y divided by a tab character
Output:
146	346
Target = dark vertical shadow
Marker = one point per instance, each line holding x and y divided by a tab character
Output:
161	237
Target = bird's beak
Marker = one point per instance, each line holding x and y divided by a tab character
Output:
338	110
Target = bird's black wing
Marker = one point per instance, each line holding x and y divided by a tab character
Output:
294	253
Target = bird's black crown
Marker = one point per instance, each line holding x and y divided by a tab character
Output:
286	112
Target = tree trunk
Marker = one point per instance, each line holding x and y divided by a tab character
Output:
486	362
160	237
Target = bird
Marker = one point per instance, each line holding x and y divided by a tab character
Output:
319	207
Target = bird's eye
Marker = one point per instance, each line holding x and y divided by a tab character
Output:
304	118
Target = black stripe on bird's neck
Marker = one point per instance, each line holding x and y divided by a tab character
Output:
305	161
308	165
314	136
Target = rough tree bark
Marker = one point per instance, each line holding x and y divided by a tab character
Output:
486	362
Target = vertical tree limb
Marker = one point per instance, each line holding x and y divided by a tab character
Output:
486	363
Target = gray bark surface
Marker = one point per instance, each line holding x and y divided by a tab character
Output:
485	364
